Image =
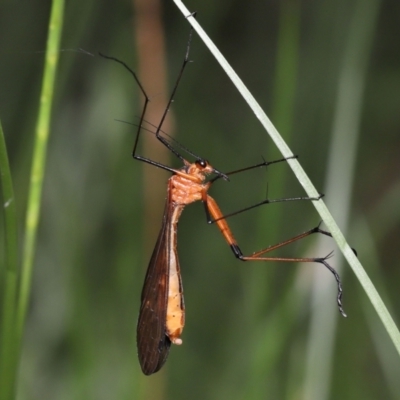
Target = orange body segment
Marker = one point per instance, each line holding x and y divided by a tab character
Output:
221	223
175	315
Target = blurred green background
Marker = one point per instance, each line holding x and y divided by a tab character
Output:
328	75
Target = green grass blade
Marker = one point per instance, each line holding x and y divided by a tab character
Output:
304	181
39	158
8	345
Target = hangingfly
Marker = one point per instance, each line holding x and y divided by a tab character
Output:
162	310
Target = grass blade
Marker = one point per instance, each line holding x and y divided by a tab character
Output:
39	159
304	180
8	345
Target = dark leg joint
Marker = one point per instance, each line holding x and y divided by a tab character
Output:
319	230
193	14
237	252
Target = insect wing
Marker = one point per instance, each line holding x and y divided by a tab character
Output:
152	342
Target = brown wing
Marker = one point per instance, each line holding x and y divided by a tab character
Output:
152	342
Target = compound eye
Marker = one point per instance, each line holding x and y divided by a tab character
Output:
202	163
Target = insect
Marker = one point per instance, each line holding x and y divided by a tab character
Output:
162	311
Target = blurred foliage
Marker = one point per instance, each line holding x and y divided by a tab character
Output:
247	324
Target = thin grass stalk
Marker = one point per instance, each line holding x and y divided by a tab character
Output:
39	160
7	345
340	178
304	180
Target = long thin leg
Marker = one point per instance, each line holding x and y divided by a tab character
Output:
259	165
266	201
146	101
171	99
223	226
210	220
